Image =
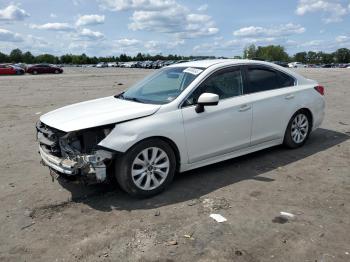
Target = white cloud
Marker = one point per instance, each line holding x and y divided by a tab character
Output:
36	41
235	46
203	8
13	13
152	46
8	36
334	9
127	42
54	27
174	21
279	31
312	43
91	35
342	39
158	46
90	20
120	5
164	16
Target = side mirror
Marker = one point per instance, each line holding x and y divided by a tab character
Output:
206	99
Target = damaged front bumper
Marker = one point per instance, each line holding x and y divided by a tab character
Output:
85	165
74	154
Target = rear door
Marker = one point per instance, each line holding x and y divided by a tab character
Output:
45	69
273	95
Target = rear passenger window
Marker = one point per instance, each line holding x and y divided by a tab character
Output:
285	80
262	79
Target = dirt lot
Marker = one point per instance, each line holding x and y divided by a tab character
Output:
45	221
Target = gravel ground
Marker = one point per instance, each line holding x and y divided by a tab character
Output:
41	220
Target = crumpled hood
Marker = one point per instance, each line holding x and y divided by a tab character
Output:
94	113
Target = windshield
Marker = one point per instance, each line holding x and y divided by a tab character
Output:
163	86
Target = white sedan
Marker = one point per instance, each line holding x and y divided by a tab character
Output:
182	117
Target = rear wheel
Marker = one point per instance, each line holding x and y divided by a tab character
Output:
147	168
35	72
298	130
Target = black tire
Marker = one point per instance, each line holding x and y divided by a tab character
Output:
288	140
124	165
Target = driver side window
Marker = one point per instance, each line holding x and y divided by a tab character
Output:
225	83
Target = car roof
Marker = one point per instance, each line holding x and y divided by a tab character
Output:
211	62
228	62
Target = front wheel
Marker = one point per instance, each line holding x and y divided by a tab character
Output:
147	168
298	130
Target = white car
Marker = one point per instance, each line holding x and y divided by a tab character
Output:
182	117
296	65
112	64
102	65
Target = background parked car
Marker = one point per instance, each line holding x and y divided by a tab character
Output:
102	65
44	69
112	64
21	65
11	70
296	65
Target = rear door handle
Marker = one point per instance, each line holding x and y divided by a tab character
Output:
288	97
244	108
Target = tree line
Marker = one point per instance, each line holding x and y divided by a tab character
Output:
278	53
17	56
266	53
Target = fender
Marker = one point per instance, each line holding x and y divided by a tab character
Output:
161	124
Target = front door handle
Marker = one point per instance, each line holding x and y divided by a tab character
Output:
290	96
244	108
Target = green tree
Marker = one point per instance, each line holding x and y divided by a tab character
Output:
272	53
300	57
326	58
47	58
311	57
28	58
342	55
66	59
3	58
16	56
140	57
249	52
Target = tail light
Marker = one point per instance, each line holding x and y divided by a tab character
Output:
320	89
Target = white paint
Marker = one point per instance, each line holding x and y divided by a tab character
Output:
236	126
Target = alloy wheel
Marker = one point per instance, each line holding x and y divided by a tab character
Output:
300	128
150	168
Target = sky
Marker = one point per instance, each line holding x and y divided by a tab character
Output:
183	27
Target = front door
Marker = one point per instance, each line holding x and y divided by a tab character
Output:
223	128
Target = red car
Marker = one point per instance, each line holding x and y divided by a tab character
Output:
44	69
11	70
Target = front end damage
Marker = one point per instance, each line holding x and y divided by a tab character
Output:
75	154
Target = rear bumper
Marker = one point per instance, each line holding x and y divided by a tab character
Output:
319	114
